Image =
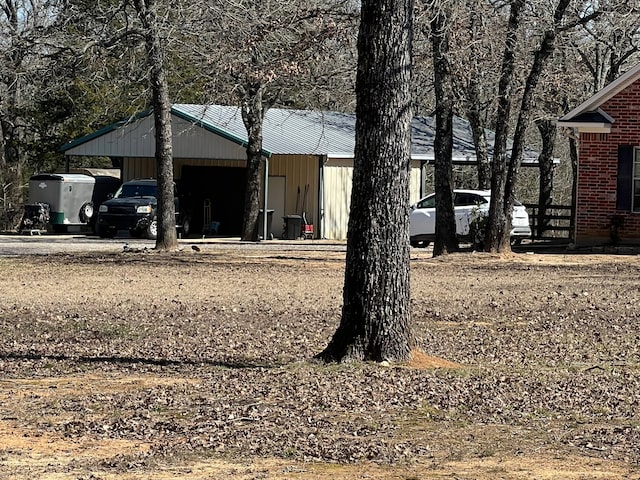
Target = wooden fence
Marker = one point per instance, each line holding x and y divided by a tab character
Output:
556	225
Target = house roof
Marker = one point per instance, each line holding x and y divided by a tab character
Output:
588	116
285	132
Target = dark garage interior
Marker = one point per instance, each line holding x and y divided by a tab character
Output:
224	187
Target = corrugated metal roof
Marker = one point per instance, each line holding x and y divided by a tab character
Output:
285	132
304	132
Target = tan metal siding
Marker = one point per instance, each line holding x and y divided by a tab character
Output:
338	177
134	168
137	139
414	186
299	171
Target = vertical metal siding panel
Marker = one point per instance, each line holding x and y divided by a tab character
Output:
337	198
414	187
299	171
337	195
126	169
133	168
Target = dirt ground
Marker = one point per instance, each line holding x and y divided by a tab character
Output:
195	365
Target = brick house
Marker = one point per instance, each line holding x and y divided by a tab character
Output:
608	183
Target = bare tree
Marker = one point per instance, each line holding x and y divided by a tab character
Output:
375	323
548	134
497	235
607	45
25	59
167	238
266	53
116	32
505	169
446	240
473	82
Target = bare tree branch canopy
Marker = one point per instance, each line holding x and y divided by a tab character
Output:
264	53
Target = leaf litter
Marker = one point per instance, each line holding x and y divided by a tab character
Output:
195	366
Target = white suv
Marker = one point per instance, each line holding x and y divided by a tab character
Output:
469	206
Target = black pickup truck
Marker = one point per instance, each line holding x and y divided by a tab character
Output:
133	207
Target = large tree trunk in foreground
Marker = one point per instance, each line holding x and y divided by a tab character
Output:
166	213
375	314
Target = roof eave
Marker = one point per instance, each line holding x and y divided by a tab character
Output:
586	127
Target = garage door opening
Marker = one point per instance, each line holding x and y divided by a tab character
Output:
224	187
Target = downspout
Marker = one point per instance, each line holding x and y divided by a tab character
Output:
323	160
265	214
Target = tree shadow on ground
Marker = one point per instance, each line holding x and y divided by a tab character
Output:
241	363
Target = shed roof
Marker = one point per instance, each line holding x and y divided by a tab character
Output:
285	132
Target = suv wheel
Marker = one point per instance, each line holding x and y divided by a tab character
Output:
419	243
152	230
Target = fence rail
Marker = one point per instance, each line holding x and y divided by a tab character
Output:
555	224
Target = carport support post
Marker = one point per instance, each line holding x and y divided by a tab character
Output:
265	215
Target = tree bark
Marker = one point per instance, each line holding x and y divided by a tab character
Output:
479	136
475	107
375	322
497	233
446	240
167	237
548	130
253	110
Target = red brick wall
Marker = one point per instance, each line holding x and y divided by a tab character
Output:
597	173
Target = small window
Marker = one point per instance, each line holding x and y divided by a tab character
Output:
636	180
429	202
468	200
626	178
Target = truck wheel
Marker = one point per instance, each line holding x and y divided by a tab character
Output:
106	232
152	230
